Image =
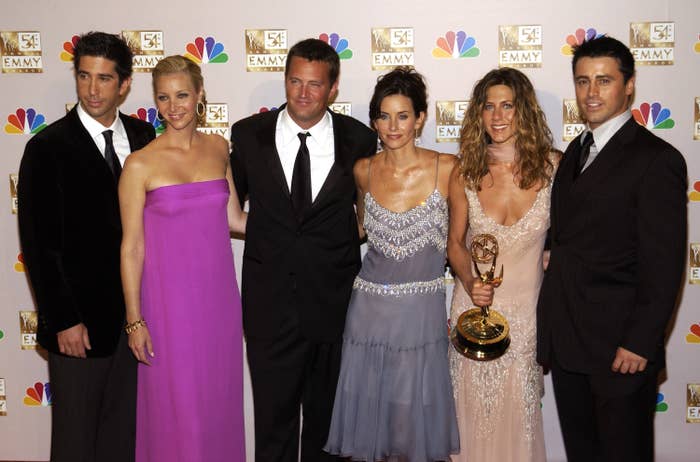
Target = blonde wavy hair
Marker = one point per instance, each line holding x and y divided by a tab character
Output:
176	63
533	139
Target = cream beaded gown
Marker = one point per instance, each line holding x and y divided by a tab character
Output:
498	401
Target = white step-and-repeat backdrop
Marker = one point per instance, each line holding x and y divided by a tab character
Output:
241	47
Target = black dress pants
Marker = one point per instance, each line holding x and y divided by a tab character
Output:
94	407
291	373
607	417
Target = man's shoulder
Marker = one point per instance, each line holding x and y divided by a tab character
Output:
256	120
133	123
648	143
350	123
56	133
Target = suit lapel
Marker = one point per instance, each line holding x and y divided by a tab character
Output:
137	139
85	144
268	151
571	193
339	168
607	159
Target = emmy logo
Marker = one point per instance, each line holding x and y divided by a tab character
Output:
693	403
28	322
3	399
379	40
216	120
448	120
573	122
13	192
652	43
254	44
21	51
520	46
266	50
392	47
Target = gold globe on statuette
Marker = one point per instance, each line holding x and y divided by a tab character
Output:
481	333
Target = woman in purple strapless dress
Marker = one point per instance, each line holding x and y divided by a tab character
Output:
183	307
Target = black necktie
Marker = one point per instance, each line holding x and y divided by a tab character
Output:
301	178
584	152
111	155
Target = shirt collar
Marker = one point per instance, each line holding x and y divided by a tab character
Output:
95	128
606	130
290	129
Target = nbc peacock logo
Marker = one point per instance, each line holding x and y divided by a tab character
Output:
661	405
340	45
696	47
267	109
25	122
694	195
653	116
206	50
68	49
693	336
150	115
577	38
456	45
19	264
38	395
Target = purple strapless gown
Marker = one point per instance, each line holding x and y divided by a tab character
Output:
190	401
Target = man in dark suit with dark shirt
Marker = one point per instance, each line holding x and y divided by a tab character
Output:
302	252
70	231
618	227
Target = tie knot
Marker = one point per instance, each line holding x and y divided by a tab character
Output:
108	135
302	137
587	140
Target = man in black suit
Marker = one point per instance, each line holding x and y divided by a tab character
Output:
618	224
70	232
301	252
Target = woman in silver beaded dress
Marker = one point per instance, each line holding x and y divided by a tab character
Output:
501	187
394	397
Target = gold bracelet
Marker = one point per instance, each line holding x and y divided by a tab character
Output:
133	326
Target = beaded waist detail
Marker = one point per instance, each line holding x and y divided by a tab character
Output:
400	290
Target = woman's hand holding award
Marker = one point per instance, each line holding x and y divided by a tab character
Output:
481	333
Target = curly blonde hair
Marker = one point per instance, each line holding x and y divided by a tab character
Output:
175	64
533	139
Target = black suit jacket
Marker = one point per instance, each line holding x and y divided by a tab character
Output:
618	244
70	231
309	265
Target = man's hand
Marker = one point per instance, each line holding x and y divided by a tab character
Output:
627	362
74	341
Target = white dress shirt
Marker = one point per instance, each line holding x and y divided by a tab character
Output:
321	146
95	129
603	133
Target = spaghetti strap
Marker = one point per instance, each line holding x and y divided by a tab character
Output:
437	166
369	175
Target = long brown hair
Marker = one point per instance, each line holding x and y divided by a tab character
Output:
533	139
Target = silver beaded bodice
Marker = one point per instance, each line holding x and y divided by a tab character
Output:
406	248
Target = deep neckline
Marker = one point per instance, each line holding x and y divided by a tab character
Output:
423	203
190	183
519	220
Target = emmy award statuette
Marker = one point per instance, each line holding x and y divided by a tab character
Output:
481	333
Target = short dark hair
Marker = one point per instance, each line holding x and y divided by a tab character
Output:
315	50
404	81
605	46
108	46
